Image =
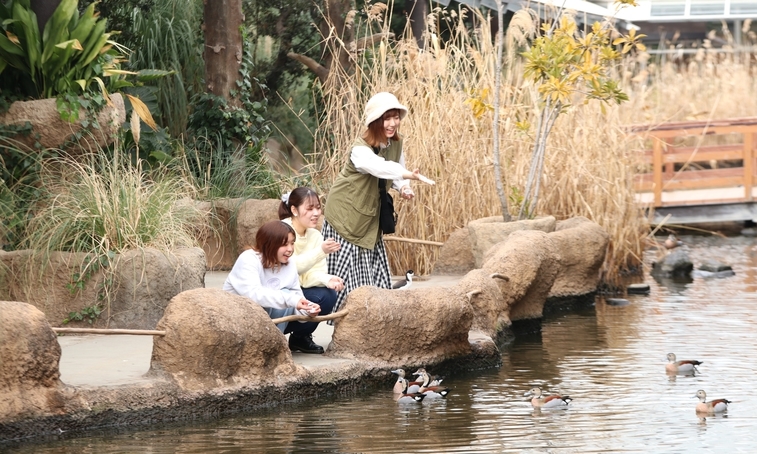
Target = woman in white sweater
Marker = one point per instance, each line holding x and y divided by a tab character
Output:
301	209
265	275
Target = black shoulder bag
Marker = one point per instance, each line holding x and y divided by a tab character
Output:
387	216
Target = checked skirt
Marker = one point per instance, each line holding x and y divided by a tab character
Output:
355	265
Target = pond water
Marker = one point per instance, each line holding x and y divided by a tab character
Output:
609	359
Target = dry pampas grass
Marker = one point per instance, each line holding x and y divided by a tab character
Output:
590	161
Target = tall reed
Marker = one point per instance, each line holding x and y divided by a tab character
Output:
102	205
588	167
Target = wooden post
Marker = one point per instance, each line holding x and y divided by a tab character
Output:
748	164
670	167
657	169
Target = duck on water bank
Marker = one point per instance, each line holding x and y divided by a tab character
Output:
554	401
684	366
404	284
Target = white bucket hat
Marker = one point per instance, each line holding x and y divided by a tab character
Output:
379	104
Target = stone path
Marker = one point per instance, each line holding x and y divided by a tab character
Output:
112	360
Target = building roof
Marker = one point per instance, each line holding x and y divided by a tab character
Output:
586	11
687	10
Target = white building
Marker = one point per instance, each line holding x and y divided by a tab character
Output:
687	20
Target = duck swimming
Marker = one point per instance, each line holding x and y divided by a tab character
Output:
671	242
406	397
553	401
684	366
430	390
402	383
713	406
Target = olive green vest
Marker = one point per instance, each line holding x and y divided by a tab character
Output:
352	206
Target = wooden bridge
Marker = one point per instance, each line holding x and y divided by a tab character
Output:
699	171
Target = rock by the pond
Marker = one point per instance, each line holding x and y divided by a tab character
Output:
714	266
617	302
674	264
638	289
749	231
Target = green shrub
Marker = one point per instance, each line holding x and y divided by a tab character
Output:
72	52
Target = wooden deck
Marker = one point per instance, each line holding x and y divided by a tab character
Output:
699	171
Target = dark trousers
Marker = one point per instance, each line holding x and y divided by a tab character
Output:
322	296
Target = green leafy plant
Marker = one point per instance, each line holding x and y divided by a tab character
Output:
92	265
73	55
72	51
566	65
89	313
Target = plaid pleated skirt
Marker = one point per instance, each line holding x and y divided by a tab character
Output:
355	265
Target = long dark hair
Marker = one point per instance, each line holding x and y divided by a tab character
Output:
270	237
374	135
297	197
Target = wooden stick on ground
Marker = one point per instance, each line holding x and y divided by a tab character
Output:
411	240
149	332
142	332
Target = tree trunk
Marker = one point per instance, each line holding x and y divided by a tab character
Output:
223	46
418	15
500	41
43	9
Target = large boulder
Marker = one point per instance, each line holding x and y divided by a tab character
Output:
414	326
215	339
673	264
219	241
233	226
491	310
147	279
582	245
455	255
486	232
50	131
29	354
131	294
250	216
527	265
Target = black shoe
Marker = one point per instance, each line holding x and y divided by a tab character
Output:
304	344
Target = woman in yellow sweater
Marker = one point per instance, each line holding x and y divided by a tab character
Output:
301	209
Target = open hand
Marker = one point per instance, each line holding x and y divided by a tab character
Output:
330	245
407	192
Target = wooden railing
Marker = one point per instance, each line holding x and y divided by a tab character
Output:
674	167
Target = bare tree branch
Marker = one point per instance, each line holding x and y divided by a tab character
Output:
321	71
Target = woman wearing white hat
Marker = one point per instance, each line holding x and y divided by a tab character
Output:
353	204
